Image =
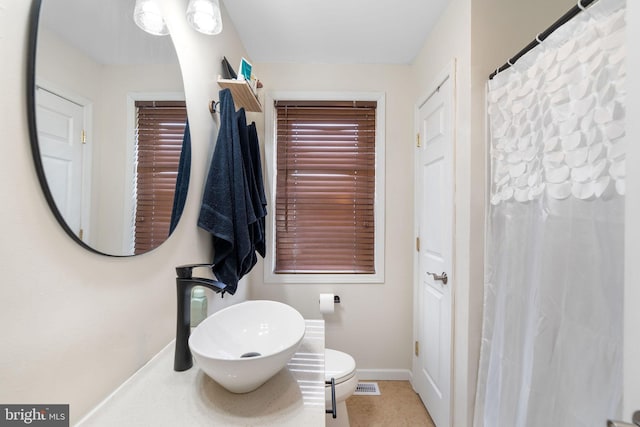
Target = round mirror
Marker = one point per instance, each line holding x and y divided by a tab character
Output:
108	124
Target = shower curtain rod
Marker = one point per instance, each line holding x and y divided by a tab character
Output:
582	5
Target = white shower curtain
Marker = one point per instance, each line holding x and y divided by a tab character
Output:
552	330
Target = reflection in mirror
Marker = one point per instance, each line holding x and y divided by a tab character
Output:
107	118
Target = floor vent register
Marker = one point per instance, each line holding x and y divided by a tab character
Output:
367	389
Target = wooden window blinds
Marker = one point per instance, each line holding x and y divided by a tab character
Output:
159	134
325	187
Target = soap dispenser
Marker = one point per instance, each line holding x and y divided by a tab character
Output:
198	306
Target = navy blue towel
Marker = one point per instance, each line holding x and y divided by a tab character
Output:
182	180
226	200
252	213
259	239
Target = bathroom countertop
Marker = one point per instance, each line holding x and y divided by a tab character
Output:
156	395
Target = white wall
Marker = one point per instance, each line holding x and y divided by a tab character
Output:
75	325
373	321
66	66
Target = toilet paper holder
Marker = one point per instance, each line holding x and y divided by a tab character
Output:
328	303
336	299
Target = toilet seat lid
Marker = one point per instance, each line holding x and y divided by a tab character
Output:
338	365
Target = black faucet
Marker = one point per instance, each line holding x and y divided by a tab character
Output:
184	284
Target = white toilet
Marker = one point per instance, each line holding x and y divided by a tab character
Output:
342	368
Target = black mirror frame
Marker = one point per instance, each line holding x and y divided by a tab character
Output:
34	17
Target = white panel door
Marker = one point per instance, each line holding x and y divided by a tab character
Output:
434	220
60	125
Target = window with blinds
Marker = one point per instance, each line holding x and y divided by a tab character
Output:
325	187
159	133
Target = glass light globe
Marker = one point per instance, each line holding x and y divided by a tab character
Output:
204	16
147	16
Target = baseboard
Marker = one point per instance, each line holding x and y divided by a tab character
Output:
384	374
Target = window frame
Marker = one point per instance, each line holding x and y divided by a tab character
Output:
270	182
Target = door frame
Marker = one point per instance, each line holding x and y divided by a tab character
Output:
87	149
449	72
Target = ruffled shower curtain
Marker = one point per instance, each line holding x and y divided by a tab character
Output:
551	350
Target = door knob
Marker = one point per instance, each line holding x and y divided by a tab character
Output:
442	277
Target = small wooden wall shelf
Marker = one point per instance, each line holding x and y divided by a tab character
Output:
242	94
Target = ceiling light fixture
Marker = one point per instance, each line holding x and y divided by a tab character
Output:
147	15
204	16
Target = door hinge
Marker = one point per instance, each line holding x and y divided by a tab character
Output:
418	139
83	137
417	244
417	348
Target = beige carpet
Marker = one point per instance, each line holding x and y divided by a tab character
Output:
397	406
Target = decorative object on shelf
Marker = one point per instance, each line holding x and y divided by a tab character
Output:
246	73
204	16
227	70
147	16
245	70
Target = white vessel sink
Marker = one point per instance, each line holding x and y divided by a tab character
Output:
244	345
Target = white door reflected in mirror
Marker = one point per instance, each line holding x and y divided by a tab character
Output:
60	133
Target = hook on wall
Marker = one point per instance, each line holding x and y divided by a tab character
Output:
213	106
